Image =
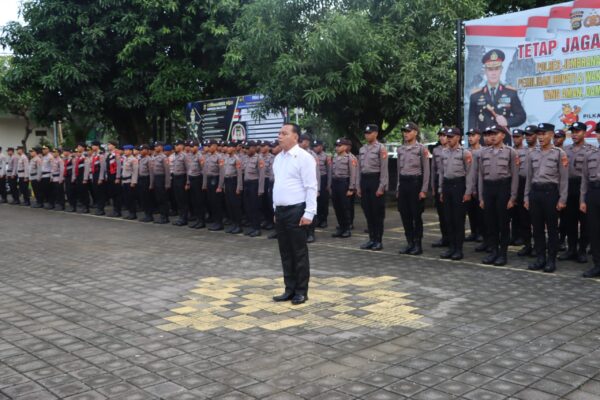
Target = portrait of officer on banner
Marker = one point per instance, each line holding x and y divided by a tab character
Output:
495	103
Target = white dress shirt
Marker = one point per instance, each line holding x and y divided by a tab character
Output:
295	180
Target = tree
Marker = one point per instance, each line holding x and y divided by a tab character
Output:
13	99
353	62
121	60
507	6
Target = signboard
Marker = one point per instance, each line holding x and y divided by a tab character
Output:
539	65
232	118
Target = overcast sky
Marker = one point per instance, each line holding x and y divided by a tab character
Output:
9	10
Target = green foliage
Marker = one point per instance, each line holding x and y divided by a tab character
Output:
506	6
353	62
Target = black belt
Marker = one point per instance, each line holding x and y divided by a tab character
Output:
497	181
594	185
455	180
212	176
340	178
231	176
45	173
21	171
410	177
178	175
370	173
544	186
143	176
126	177
284	208
250	180
55	175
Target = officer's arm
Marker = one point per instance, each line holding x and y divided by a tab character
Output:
102	168
353	173
221	164
528	178
468	166
86	169
518	113
474	173
584	180
261	176
440	176
167	173
479	176
564	178
205	179
426	169
39	170
119	168
318	173
383	170
134	172
240	176
398	161
151	170
514	169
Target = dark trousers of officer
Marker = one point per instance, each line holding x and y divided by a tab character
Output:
252	203
455	211
171	197
70	191
37	191
98	191
439	208
267	202
542	204
160	195
14	188
128	194
323	201
181	196
373	206
24	189
233	201
592	201
58	194
143	193
411	207
3	194
197	198
293	249
214	199
575	220
113	192
82	192
46	195
496	195
341	202
476	217
521	217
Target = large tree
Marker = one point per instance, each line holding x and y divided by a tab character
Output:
122	60
352	61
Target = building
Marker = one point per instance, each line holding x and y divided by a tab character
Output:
12	131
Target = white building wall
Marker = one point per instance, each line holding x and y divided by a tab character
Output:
12	131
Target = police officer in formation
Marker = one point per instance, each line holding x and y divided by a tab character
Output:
532	181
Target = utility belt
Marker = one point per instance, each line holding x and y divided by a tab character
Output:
502	181
340	179
45	173
231	176
544	187
55	175
455	181
370	174
251	180
20	171
410	177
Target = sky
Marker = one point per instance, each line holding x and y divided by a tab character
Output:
9	11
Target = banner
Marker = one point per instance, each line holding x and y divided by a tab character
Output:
534	66
232	118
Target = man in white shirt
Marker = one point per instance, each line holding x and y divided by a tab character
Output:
295	202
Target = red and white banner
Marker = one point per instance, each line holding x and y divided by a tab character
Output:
543	65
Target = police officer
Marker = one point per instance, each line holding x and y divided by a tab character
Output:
213	169
3	162
254	181
161	173
45	183
436	166
455	190
178	169
113	178
342	186
81	170
495	103
498	186
520	222
413	181
35	176
194	164
129	180
558	141
546	191
232	184
474	212
267	198
373	182
324	167
23	175
58	180
11	175
590	204
145	182
97	176
575	221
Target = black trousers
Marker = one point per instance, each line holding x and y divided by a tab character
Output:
160	195
181	196
129	202
341	202
82	192
113	192
36	188
373	206
233	201
323	201
98	191
46	195
14	188
576	222
521	218
3	193
143	192
198	203
411	207
58	194
455	211
252	203
439	208
291	238
542	204
70	191
496	195
593	217
24	189
476	216
267	202
215	200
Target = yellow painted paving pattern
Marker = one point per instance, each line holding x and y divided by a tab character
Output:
342	303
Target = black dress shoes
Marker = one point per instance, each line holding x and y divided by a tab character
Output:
215	227
299	299
283	297
538	264
592	273
367	245
458	255
346	234
272	235
377	246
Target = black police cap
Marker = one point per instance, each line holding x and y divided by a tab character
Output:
559	133
453	132
410	126
370	128
530	129
545	127
518	132
179	141
304	137
316	143
578	126
474	131
493	58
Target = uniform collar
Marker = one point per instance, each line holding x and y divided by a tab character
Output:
293	151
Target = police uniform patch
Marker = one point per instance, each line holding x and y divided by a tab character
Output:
468	158
564	160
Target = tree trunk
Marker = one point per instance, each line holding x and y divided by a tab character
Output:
131	125
28	131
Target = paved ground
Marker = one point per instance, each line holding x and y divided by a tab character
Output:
95	308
